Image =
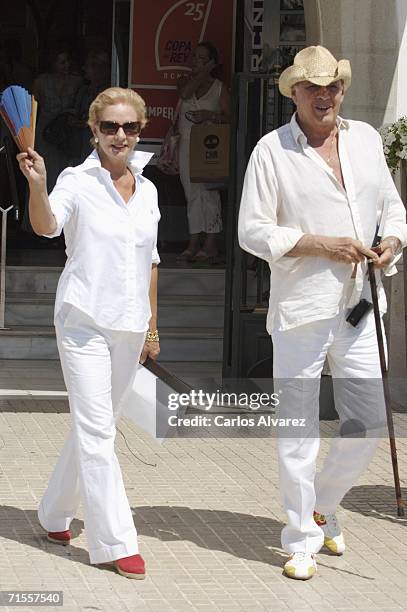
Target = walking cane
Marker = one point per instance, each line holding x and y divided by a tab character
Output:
383	367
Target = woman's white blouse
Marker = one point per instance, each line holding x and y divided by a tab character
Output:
110	245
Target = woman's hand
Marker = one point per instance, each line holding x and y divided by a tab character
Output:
150	349
200	116
33	167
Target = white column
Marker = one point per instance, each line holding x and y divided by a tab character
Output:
401	108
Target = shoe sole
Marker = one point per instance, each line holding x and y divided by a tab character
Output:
130	575
333	549
291	574
60	542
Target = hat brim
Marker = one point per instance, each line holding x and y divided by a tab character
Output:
296	74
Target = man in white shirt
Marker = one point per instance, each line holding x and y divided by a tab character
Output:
313	193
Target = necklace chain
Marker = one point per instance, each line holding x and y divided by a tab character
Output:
331	149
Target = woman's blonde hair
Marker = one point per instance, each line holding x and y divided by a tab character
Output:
116	95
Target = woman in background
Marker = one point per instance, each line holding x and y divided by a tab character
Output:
204	99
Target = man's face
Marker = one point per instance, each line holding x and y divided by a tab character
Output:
318	106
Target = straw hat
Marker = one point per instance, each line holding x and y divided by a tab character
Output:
317	65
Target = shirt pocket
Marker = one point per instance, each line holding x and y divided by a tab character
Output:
145	229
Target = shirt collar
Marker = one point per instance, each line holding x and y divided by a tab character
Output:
299	135
136	161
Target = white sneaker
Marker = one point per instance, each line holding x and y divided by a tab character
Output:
333	536
300	566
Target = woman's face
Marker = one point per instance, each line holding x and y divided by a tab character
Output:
116	143
62	64
200	57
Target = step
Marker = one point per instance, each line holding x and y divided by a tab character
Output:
186	344
171	281
37	309
191	311
40	279
42	379
32	279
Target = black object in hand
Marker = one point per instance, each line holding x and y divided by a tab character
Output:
358	312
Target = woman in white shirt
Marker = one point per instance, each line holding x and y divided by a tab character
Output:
106	302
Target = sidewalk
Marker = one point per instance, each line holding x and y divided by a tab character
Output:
209	520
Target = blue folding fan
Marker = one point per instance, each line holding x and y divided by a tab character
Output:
18	109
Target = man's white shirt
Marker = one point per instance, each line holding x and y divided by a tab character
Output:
289	191
110	244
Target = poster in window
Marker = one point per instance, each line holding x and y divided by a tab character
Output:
164	35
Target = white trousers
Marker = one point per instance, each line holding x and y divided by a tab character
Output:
98	366
352	354
204	209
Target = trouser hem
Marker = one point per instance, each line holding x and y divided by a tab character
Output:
105	554
321	509
61	525
304	546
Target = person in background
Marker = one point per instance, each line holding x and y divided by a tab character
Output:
55	92
96	71
105	318
204	99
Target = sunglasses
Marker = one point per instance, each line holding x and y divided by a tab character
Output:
110	128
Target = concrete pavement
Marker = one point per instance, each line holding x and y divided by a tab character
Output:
208	515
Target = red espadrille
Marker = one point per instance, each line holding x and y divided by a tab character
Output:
59	537
131	567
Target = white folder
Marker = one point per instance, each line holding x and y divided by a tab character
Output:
147	408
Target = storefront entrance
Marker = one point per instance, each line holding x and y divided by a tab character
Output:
35	35
133	43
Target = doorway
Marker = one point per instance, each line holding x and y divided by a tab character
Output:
32	33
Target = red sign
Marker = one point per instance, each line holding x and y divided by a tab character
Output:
161	104
164	34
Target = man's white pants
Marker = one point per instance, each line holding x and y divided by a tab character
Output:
352	354
99	366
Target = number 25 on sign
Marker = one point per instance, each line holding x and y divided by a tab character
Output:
195	10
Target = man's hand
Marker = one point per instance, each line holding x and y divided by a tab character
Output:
150	349
346	250
387	250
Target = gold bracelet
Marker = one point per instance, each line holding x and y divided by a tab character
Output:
152	336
